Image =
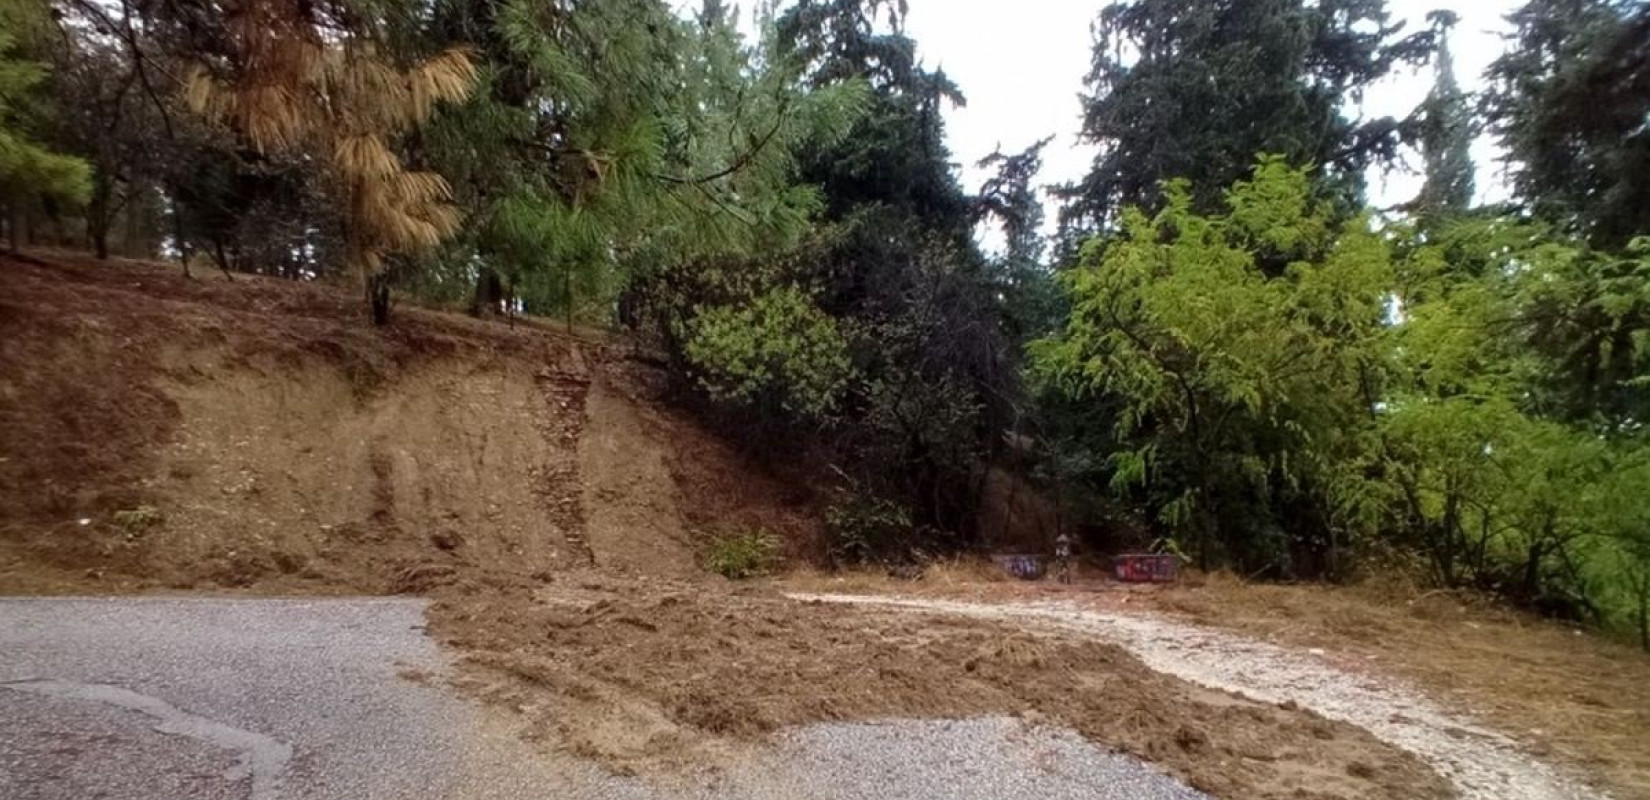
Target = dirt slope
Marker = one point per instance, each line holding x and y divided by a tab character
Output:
256	434
633	519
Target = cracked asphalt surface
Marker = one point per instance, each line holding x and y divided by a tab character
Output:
300	699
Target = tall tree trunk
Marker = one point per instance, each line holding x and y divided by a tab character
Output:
100	214
489	294
19	227
378	297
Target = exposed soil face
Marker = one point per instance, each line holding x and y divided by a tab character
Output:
260	436
633	518
164	433
643	674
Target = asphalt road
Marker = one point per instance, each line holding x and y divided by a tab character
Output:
265	699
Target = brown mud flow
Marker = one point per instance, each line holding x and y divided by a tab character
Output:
644	675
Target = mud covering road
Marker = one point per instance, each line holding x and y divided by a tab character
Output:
188	699
1483	764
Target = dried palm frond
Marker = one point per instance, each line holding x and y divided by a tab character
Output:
418	188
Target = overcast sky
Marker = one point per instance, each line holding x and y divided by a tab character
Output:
1021	66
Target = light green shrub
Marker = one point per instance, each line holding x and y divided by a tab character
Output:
743	554
777	348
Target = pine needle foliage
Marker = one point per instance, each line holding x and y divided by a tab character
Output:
29	170
612	139
1447	132
308	76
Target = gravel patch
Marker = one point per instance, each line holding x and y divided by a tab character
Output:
1481	763
977	759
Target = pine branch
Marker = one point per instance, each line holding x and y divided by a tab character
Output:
739	163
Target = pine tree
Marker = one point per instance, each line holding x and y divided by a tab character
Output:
292	82
1010	199
896	156
29	172
1568	102
1196	89
1446	138
613	139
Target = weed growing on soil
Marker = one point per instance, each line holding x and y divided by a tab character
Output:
745	554
135	521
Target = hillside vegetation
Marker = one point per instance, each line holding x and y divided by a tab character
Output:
1222	352
208	435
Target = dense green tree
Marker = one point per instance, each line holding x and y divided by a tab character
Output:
1010	200
896	155
1195	89
1568	101
1509	430
1467	390
613	138
1446	132
901	269
1239	395
777	349
29	172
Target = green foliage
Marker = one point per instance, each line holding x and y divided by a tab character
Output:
745	554
28	170
1568	101
136	521
1447	132
614	140
1031	302
1236	349
1283	391
1510	437
867	529
892	269
776	348
1194	90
